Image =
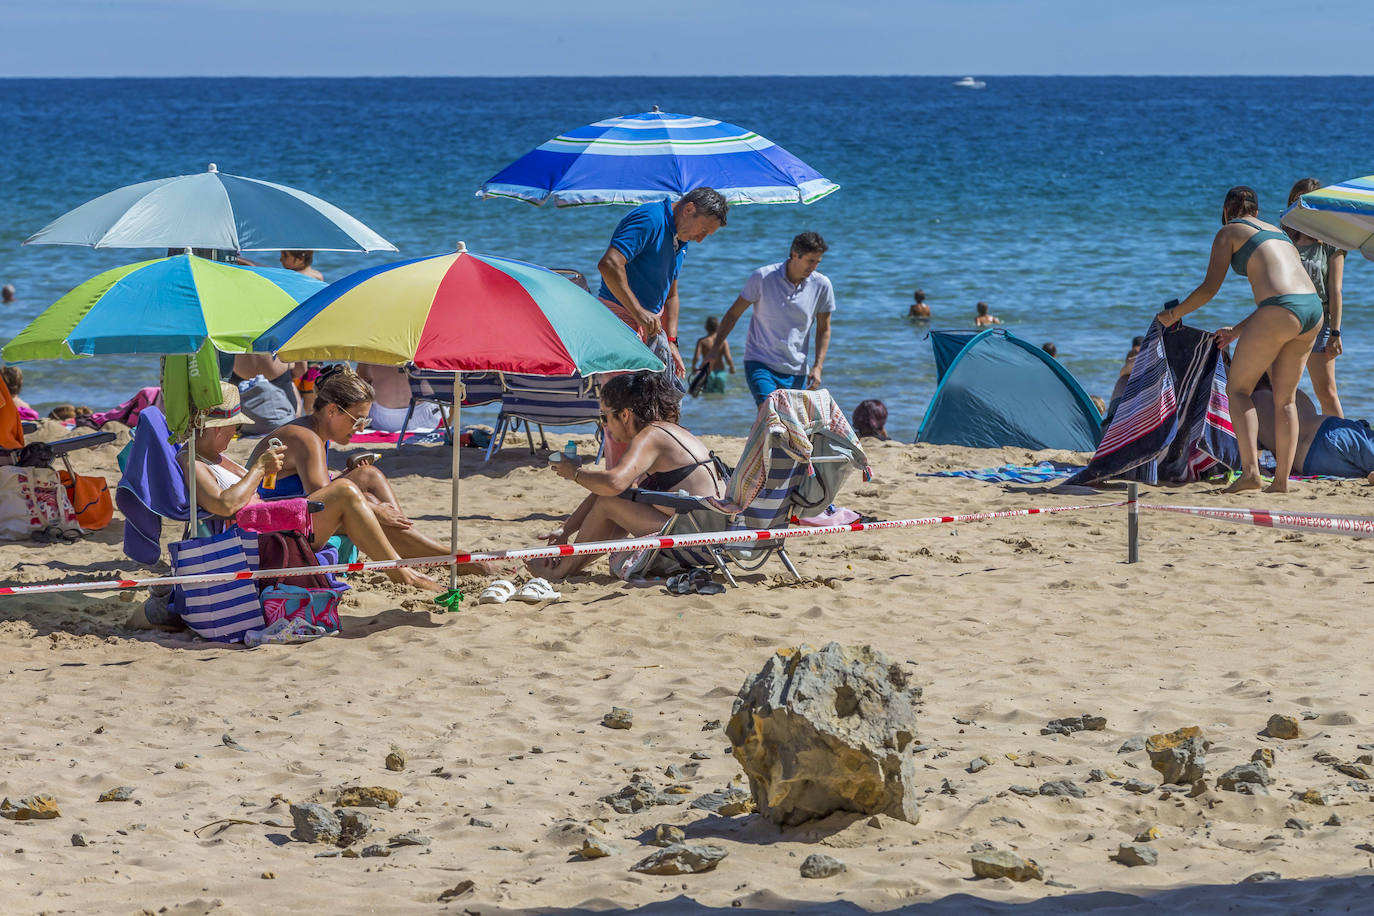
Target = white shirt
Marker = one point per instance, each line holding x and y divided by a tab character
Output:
780	329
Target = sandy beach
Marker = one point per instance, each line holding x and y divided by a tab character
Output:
1005	625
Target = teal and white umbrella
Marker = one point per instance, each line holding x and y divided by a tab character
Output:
1340	214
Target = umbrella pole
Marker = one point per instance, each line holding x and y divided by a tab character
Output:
454	427
191	482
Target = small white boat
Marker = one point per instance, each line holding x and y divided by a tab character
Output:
969	82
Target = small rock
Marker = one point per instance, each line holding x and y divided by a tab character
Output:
641	794
458	890
1285	727
1264	755
1308	715
1310	796
410	838
478	822
30	808
1179	756
1138	786
999	863
1133	854
1294	823
396	760
1002	819
711	726
1146	836
667	835
1366	759
1334	820
1050	882
267	875
618	717
376	852
537	749
353	826
316	824
1062	787
681	859
1354	770
1131	745
596	848
368	797
674	772
79	839
180	764
1259	876
1254	773
119	794
1071	724
228	741
699	755
1024	790
1097	776
979	763
817	865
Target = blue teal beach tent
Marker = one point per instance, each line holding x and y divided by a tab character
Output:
997	390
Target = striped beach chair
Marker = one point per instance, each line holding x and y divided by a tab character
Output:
794	463
540	401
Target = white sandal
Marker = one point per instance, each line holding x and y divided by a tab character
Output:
535	591
498	592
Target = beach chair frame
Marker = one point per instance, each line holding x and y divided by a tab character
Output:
525	395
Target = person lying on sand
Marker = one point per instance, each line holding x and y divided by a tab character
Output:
1327	446
342	402
224	487
639	410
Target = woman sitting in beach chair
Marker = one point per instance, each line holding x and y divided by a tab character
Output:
224	487
640	411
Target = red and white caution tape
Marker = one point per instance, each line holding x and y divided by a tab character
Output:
1360	526
549	552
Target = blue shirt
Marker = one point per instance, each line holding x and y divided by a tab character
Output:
647	237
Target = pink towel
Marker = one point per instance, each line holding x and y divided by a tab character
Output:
127	413
276	515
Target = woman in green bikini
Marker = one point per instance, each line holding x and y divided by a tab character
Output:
1275	338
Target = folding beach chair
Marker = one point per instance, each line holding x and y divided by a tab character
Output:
542	401
796	459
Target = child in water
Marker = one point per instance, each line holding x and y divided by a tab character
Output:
715	382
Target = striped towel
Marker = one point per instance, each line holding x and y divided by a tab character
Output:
1173	422
1013	473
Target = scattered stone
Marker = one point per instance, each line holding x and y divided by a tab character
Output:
1062	787
1264	755
699	755
947	788
641	794
228	741
618	717
396	760
329	854
1024	790
30	808
1097	776
681	859
119	794
1002	819
316	824
1334	820
537	749
1050	882
1260	876
1308	715
981	846
843	724
368	797
1133	854
410	838
1179	756
180	764
1253	774
1366	759
979	763
817	865
1294	823
458	890
667	835
999	863
711	726
376	851
1071	724
1354	770
267	875
353	826
1310	796
79	839
674	772
1326	757
1131	745
478	822
596	848
1285	727
1146	836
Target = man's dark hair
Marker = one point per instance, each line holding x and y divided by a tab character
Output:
708	202
809	243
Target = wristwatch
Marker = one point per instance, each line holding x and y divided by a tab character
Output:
1334	332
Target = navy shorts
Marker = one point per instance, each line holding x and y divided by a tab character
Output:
1341	448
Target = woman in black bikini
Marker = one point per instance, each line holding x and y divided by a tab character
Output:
639	410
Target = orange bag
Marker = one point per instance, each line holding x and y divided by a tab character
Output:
90	498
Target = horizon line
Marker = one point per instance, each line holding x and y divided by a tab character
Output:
714	76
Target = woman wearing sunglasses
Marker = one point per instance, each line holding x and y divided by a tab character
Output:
640	411
342	402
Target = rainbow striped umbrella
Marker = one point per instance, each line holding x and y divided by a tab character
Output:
1341	215
657	155
461	312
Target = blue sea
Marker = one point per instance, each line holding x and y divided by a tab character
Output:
1074	206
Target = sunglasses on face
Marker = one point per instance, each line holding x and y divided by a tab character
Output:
359	423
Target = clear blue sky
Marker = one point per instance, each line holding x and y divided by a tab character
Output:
696	37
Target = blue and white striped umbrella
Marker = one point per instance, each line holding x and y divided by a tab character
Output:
210	210
657	155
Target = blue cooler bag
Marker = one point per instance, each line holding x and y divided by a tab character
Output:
222	611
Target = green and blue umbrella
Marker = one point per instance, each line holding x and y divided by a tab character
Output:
1341	215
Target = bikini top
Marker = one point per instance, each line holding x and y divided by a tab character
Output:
1241	258
667	481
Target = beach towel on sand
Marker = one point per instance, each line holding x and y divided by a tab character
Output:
1013	473
1173	423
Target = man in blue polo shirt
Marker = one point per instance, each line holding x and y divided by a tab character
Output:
640	267
789	299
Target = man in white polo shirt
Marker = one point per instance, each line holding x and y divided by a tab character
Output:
789	299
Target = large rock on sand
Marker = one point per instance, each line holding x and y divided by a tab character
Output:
1180	756
824	731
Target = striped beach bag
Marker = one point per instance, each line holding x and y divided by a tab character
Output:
220	611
